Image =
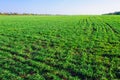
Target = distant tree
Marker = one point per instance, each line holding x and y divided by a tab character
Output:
117	13
114	13
14	13
5	13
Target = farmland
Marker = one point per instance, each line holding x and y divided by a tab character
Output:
59	47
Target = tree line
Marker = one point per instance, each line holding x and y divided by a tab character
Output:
114	13
14	13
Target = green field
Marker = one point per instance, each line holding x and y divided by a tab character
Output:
59	47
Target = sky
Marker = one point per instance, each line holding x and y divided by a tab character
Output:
60	6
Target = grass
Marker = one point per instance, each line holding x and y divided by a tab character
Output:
59	47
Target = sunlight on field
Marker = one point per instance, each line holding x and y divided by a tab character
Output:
59	47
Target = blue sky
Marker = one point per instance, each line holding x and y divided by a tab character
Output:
60	6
